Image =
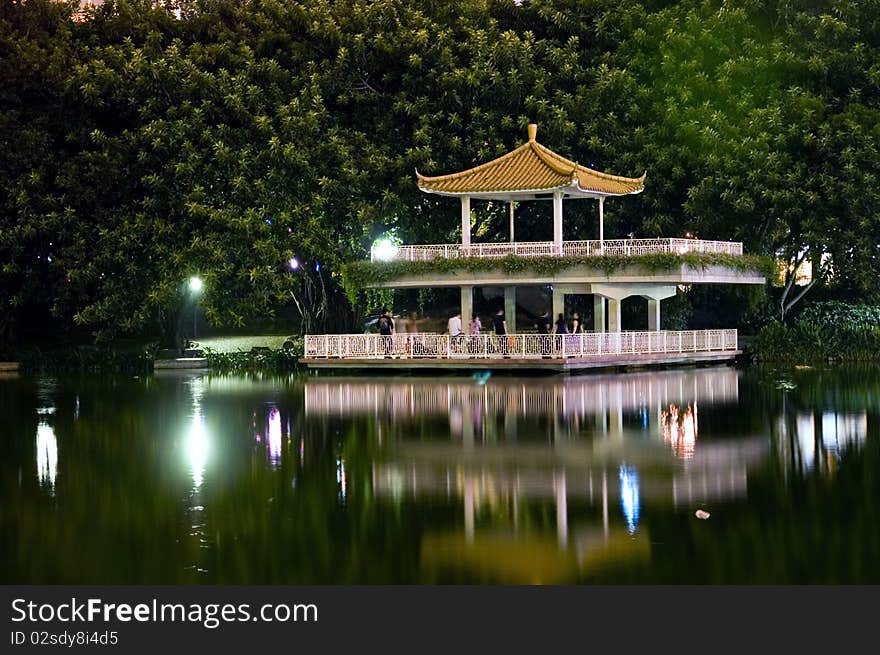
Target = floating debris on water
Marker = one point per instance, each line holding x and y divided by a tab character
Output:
482	376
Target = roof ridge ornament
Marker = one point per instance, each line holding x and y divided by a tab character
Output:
533	131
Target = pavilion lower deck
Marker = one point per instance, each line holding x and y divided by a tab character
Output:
521	352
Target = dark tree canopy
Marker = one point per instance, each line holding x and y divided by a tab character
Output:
153	141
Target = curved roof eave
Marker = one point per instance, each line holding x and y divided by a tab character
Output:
573	191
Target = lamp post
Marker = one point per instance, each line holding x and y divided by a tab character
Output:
195	287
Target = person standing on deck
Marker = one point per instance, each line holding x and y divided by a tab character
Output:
561	325
386	329
454	326
454	329
474	344
576	325
500	326
499	323
544	324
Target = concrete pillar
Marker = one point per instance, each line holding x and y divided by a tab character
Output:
557	221
466	221
653	315
613	315
602	224
467	308
510	308
598	313
558	304
511	221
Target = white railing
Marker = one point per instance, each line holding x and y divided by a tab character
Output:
515	346
613	247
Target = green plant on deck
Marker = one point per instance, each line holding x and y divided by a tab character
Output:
357	276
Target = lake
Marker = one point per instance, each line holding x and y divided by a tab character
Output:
597	479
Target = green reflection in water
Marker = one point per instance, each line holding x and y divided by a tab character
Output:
180	478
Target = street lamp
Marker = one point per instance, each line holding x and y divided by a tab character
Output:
195	287
385	250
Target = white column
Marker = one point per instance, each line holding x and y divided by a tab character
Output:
466	221
653	315
558	304
512	239
510	309
467	308
598	313
602	224
557	221
613	315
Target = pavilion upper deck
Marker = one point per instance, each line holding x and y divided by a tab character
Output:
606	247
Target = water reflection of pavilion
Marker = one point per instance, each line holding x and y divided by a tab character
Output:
464	400
606	447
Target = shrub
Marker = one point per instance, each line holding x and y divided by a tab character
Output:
270	361
86	359
824	330
835	315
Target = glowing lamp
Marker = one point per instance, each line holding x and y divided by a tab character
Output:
385	250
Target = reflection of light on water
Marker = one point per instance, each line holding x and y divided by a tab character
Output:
197	443
680	429
806	435
273	432
629	495
47	454
840	431
197	448
821	440
340	478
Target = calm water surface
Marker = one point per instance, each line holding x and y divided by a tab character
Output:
201	478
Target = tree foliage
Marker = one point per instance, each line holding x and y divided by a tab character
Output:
158	140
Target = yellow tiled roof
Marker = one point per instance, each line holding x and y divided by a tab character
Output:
531	167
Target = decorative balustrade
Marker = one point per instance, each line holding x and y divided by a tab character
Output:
516	346
611	247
